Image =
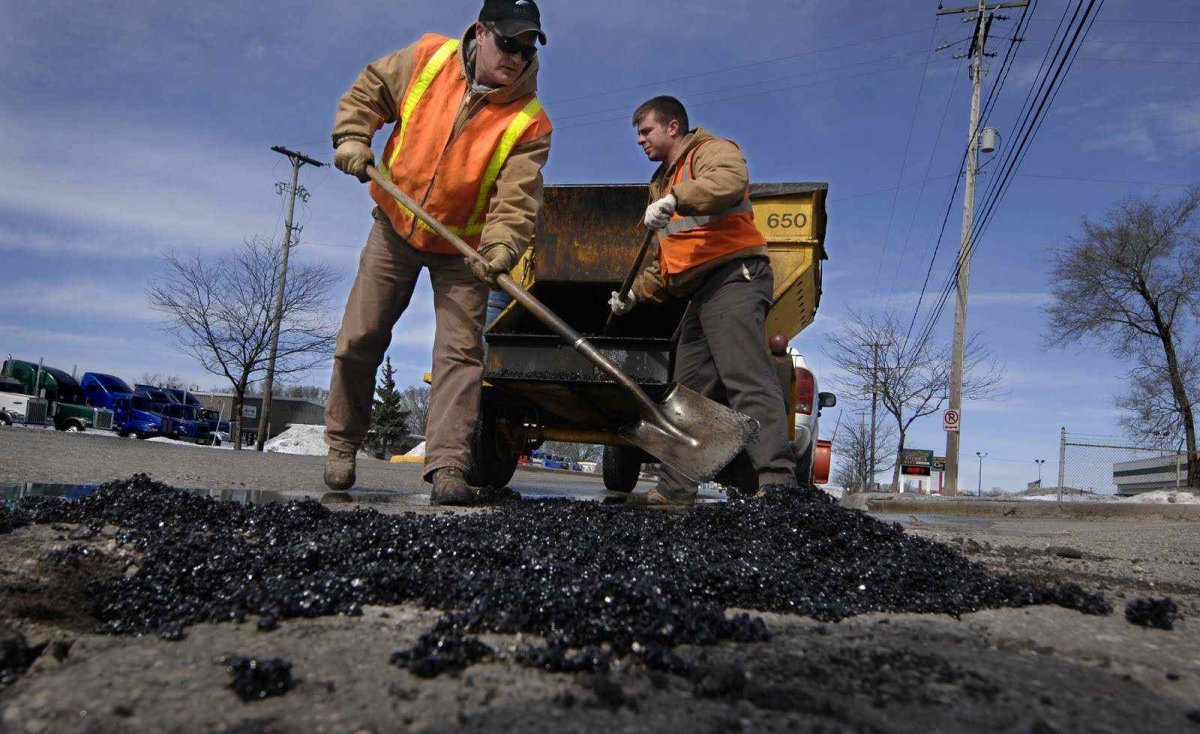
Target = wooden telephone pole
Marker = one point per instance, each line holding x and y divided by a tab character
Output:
298	160
983	14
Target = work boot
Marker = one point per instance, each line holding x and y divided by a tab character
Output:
450	488
339	469
657	498
772	488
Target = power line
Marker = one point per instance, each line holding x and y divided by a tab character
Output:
739	67
912	126
625	118
993	95
805	74
1030	125
928	167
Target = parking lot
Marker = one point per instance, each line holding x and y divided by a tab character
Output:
1039	668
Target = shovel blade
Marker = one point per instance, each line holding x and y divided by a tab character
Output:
702	437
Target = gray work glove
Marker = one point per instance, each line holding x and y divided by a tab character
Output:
352	157
499	258
658	214
621	307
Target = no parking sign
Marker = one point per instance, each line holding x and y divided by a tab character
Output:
950	420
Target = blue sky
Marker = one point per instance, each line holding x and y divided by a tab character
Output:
133	128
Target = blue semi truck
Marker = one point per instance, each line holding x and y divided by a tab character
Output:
209	421
189	424
134	415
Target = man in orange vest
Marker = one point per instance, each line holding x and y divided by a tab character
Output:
469	142
710	253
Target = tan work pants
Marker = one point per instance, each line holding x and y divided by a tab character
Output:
387	275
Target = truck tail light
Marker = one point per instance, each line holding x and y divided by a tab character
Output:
805	385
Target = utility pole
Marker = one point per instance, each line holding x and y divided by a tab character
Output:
874	403
298	160
979	481
983	15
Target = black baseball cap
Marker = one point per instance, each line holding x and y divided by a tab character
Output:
513	17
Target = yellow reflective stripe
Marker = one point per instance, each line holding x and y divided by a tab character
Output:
424	80
515	130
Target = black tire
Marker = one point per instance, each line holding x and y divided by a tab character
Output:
142	435
492	463
739	477
804	468
5	420
74	426
214	441
123	434
621	466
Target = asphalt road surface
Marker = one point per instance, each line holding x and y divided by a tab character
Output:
1035	669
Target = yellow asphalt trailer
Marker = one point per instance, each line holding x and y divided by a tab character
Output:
538	389
694	434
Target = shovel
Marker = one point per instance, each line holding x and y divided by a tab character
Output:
695	435
628	283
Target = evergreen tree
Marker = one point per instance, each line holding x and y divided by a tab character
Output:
388	419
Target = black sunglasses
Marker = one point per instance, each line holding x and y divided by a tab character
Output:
509	45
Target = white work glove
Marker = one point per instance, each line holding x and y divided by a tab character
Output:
352	157
622	307
658	214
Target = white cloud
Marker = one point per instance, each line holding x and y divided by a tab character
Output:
76	299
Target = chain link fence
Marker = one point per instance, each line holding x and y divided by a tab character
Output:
1094	464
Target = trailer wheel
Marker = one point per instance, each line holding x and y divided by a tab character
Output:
492	463
74	426
5	420
621	467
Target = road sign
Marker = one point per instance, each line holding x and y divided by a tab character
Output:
950	420
916	457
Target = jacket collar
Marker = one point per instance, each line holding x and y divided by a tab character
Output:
524	84
686	144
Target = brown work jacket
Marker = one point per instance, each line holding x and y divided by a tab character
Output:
720	180
375	98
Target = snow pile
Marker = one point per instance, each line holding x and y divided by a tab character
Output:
418	450
303	440
1069	497
1163	497
164	439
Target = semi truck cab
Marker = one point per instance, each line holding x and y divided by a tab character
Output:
68	409
133	414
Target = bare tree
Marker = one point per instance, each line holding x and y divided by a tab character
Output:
854	471
1132	282
158	379
415	400
219	311
912	378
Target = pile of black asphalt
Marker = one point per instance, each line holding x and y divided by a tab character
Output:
593	580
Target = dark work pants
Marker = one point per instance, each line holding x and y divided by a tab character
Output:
722	354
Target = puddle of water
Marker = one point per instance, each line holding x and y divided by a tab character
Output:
11	493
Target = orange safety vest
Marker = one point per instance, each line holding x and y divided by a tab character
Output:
691	241
452	179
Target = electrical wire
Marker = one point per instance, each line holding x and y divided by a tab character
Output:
1048	89
912	126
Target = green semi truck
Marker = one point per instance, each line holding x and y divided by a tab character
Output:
68	408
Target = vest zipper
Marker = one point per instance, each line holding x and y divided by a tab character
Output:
454	136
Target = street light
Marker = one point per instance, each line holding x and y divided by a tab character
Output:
1039	463
979	481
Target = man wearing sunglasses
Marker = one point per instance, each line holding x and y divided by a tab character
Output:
469	142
